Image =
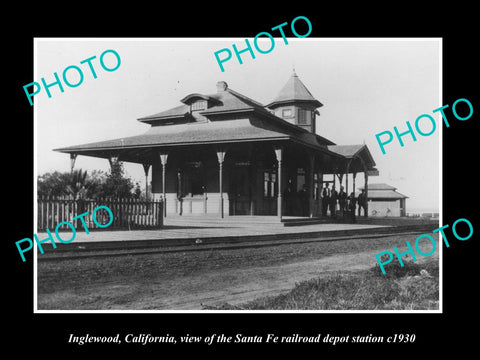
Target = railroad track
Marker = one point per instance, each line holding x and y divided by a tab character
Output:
145	247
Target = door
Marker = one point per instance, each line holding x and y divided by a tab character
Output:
240	193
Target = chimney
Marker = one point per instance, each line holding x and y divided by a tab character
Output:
221	86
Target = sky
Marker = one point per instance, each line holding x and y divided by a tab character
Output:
366	86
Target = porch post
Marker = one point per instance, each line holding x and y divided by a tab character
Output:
279	155
310	185
146	167
221	158
346	183
366	192
73	157
334	177
340	184
163	160
179	192
340	180
354	175
346	176
320	190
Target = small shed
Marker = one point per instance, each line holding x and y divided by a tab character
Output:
385	200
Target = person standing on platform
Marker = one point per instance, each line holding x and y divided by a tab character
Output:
352	205
342	201
362	203
325	200
288	196
333	201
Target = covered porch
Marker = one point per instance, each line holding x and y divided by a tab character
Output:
261	177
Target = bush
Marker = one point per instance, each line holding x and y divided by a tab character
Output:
395	270
402	288
96	185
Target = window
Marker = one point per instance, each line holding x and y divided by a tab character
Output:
269	184
287	113
199	105
304	117
301	177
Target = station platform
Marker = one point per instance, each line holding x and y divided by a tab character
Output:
188	230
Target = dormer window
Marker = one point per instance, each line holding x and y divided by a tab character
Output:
199	105
286	113
198	102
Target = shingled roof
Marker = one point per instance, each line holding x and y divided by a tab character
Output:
383	191
350	151
188	130
215	132
228	117
346	150
193	133
294	90
224	101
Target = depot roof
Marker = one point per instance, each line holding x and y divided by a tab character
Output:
205	132
383	191
352	151
294	91
200	133
224	101
229	117
224	117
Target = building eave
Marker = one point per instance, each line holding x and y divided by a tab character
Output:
275	104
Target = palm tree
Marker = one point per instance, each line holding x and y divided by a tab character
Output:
75	181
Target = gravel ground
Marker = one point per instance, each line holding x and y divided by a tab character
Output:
189	280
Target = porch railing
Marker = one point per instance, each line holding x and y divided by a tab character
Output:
127	213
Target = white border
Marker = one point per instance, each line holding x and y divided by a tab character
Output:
35	176
440	179
439	311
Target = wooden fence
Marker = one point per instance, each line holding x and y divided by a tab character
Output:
127	213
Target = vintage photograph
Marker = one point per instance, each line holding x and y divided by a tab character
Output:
164	184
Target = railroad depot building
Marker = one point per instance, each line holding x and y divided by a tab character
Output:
226	154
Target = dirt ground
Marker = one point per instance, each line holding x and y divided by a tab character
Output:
189	280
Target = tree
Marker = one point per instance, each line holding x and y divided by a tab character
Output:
52	184
137	192
94	184
97	185
75	181
116	184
